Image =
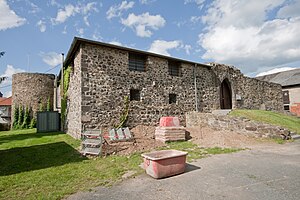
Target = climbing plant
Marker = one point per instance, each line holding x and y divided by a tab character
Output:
48	104
41	107
66	81
124	116
32	123
16	117
21	115
26	119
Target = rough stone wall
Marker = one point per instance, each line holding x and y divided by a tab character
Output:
31	89
255	94
101	80
107	79
236	124
73	119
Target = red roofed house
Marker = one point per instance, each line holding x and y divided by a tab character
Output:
5	113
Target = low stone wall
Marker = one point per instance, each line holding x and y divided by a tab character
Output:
237	124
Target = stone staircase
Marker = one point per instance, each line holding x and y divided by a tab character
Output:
222	112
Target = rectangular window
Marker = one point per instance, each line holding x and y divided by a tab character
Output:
135	95
172	98
286	107
286	97
136	62
174	68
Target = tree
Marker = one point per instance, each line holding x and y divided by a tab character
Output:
2	78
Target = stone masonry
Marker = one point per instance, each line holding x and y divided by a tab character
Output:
101	79
238	124
32	89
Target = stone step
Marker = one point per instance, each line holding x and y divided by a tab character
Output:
221	112
295	137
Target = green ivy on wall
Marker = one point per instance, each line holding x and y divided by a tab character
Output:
124	116
66	81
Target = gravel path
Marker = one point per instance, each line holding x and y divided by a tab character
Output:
266	172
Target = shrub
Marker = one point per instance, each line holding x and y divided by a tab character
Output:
32	123
26	119
16	117
21	116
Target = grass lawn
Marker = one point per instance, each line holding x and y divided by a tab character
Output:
290	122
48	166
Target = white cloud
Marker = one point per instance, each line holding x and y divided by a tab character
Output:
116	10
116	43
162	46
198	2
10	70
42	25
65	30
64	14
187	49
71	10
251	41
51	58
142	23
9	19
276	70
80	31
195	19
34	8
290	10
147	1
96	35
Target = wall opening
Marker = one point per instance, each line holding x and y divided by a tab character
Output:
135	95
225	95
172	98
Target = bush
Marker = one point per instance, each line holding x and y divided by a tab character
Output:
32	123
21	117
16	117
26	120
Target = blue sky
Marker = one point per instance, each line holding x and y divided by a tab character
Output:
255	36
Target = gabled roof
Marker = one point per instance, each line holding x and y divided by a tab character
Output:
286	78
5	101
77	41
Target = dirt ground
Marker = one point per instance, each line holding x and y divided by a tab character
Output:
144	140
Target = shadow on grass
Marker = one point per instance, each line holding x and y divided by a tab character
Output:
24	159
9	138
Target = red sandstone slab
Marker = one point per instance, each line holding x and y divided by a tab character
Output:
169	122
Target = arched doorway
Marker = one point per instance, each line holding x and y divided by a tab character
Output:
225	95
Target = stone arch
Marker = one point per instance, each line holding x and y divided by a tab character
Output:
225	94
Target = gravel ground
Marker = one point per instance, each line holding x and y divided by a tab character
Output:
269	172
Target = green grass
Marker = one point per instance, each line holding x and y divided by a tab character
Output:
196	152
279	119
47	166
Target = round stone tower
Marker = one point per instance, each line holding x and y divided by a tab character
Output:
32	90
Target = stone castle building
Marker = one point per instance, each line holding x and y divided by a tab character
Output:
32	90
103	74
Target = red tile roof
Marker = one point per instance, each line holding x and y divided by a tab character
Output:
5	101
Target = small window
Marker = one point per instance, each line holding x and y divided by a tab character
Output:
135	95
136	62
174	68
172	98
286	97
286	107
